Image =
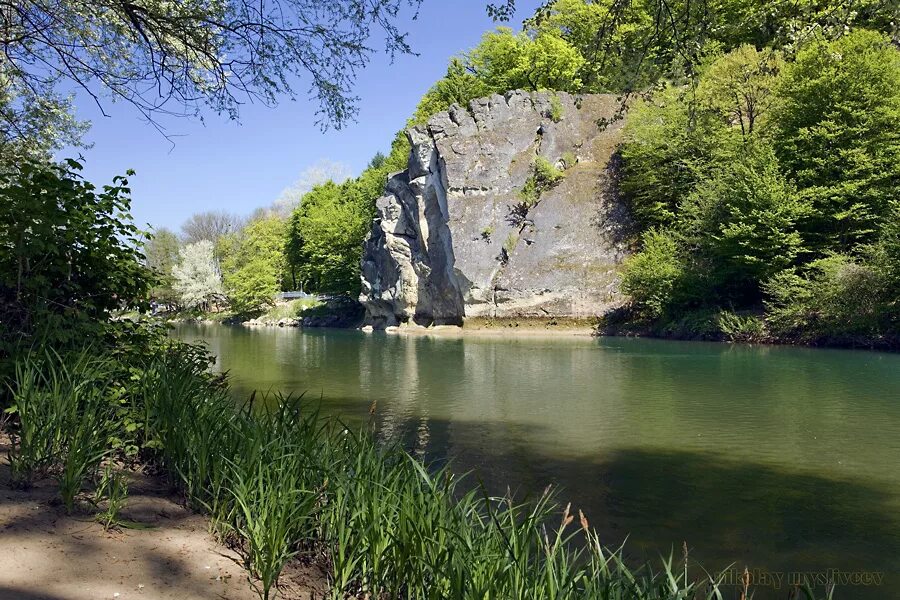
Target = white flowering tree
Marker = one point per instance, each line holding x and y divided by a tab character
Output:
197	280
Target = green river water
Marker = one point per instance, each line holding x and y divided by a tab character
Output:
784	460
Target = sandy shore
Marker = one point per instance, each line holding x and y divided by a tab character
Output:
48	555
502	328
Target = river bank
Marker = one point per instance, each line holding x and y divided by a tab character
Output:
164	552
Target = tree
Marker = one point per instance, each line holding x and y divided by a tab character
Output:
331	228
209	226
254	272
176	57
458	86
69	255
322	171
839	136
325	232
162	254
740	86
667	148
196	276
653	276
33	128
742	221
610	43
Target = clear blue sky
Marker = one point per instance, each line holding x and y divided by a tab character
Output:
238	166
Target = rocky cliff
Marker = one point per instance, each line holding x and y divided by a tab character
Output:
472	229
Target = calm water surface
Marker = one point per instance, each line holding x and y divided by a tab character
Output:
781	459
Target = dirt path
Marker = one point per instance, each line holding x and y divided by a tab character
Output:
47	555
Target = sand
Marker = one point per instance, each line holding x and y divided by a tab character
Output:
48	555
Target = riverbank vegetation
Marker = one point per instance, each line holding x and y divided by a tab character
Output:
780	219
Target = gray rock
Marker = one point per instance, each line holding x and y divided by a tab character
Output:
445	243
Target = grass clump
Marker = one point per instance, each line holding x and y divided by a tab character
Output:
291	309
556	109
113	489
544	175
64	408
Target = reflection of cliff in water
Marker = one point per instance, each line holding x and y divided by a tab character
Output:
774	458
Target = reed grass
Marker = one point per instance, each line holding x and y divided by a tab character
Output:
279	482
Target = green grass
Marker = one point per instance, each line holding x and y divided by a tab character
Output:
279	481
291	309
556	109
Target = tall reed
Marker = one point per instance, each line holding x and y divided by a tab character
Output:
66	409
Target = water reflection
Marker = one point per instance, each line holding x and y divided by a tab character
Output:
778	458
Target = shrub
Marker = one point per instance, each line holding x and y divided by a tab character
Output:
837	299
544	175
556	108
652	276
741	328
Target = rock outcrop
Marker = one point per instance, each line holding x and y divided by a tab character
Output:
455	236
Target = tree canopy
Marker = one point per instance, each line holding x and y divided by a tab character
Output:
177	58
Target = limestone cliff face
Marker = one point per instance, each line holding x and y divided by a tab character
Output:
452	237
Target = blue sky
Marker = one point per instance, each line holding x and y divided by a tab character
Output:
238	166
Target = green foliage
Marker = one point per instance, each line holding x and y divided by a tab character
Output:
510	243
505	61
292	309
165	57
739	86
611	44
742	222
544	175
65	408
667	149
69	256
331	226
161	255
653	276
741	328
776	184
325	232
113	490
254	272
34	126
458	86
837	299
838	135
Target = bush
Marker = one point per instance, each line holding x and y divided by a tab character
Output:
837	299
556	109
741	328
544	175
652	276
69	256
